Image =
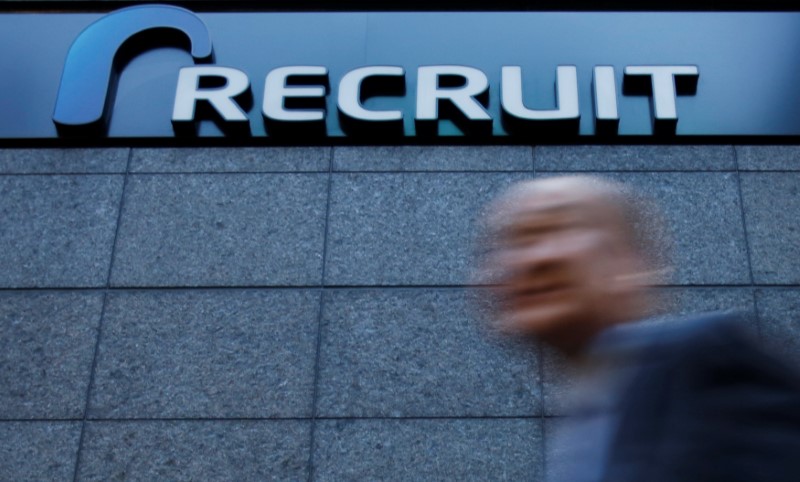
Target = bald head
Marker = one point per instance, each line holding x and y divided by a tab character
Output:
569	259
597	200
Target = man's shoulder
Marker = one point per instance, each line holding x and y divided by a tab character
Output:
702	350
669	336
708	403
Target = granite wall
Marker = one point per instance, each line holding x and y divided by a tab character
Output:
296	313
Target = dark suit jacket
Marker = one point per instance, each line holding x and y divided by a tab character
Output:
705	404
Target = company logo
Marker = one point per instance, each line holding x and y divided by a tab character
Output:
88	81
296	95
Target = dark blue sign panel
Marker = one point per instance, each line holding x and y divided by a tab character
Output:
165	72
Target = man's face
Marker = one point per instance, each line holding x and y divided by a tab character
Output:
563	253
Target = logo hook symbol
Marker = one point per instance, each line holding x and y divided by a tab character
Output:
86	82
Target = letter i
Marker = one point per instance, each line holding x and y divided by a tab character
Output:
605	100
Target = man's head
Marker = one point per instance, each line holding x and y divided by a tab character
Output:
567	259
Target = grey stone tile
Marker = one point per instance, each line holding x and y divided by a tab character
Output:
415	352
465	449
703	224
779	315
433	158
682	302
221	230
390	229
197	450
771	207
63	161
768	158
207	354
47	343
57	230
231	159
38	450
560	376
634	158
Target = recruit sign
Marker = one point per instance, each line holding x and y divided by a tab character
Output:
159	71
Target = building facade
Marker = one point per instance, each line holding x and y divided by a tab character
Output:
246	310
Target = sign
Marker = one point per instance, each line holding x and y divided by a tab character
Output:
162	72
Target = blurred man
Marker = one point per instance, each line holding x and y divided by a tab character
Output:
690	400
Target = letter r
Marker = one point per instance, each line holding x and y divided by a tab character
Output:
221	98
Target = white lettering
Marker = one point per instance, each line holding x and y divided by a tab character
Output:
276	91
221	99
297	93
349	100
429	91
566	95
663	81
605	94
